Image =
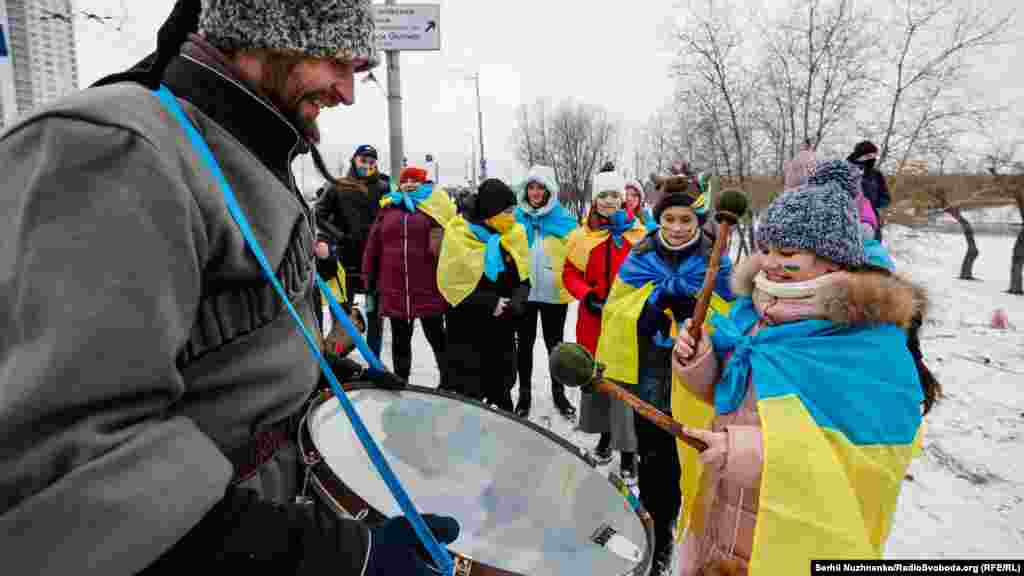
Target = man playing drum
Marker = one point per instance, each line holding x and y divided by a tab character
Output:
151	375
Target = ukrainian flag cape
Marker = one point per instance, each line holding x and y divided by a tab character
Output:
553	229
429	199
648	219
584	239
462	260
643	278
839	428
338	287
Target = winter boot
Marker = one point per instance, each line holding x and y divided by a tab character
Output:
662	564
602	454
628	468
562	404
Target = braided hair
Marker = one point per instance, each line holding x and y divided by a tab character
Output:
930	385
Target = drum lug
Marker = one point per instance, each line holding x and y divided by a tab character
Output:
310	458
304	501
463	565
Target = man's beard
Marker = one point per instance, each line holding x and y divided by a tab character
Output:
278	69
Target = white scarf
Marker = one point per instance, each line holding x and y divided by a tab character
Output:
683	246
792	290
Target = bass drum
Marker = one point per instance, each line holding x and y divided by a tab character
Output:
527	501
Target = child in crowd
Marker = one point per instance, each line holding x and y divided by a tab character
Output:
818	387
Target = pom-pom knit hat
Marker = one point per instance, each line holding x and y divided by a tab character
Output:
819	217
338	29
413	173
608	182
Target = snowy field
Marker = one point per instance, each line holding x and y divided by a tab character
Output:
965	495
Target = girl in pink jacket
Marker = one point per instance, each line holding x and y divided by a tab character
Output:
800	351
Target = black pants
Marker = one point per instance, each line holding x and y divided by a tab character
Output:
659	479
481	356
552	319
401	344
374	327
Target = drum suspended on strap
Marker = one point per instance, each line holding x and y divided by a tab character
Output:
527	501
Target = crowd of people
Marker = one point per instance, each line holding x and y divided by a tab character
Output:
141	392
513	256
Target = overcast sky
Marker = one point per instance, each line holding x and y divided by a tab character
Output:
611	54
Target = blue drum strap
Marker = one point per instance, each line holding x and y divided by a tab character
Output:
437	552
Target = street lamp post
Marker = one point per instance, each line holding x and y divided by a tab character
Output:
395	109
480	127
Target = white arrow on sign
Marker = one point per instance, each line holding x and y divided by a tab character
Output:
407	26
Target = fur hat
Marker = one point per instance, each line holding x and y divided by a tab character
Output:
677	199
413	173
608	182
677	184
818	217
341	29
492	198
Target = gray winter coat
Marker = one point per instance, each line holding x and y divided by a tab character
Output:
140	341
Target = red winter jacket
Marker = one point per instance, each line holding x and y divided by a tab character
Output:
602	268
401	259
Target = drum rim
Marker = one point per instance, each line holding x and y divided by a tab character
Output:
319	464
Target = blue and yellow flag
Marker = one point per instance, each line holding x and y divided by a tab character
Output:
647	218
838	433
463	258
552	228
429	199
338	286
3	40
642	279
584	239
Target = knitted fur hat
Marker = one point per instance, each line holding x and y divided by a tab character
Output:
341	29
818	217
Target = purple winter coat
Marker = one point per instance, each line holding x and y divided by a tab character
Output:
401	258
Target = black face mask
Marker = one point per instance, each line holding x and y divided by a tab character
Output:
869	164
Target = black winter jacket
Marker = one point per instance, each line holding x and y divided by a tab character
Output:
344	217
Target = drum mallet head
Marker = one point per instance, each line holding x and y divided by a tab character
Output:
572	365
731	206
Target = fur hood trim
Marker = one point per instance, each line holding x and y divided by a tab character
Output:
859	297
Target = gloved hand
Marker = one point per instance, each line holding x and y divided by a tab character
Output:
384	379
593	302
681	306
395	549
652	321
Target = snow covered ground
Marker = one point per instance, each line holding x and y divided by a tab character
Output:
966	498
966	495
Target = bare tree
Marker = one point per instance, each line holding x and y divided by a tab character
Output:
573	139
816	70
1017	260
714	76
1001	163
939	198
935	40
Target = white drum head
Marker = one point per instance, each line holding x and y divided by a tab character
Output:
525	502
